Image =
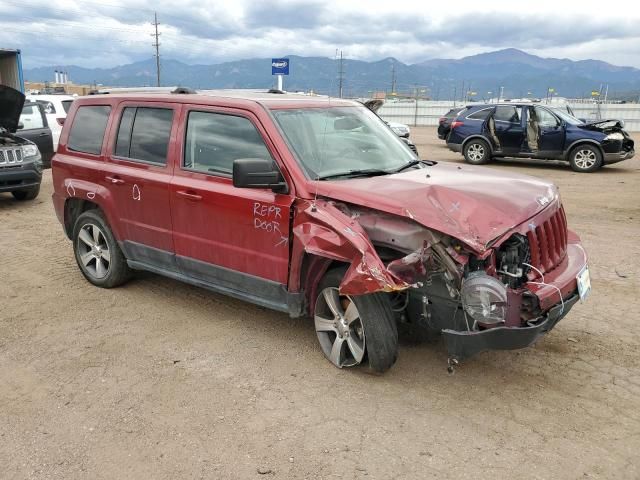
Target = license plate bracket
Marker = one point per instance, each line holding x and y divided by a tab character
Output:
584	283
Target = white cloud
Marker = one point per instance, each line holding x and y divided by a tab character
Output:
91	34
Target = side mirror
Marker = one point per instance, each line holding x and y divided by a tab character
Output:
258	173
20	125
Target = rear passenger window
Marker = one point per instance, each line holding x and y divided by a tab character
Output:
87	131
215	140
480	114
144	134
507	114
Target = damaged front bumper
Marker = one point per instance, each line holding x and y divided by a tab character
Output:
610	158
464	344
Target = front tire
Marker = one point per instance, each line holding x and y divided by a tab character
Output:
585	159
28	194
355	329
97	253
477	152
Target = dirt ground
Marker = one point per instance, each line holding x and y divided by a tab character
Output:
161	380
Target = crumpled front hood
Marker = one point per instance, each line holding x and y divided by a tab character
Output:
603	125
474	204
11	103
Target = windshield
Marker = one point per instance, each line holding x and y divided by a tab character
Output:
334	141
570	119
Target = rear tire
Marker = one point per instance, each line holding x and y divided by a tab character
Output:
355	329
585	158
477	152
97	252
28	194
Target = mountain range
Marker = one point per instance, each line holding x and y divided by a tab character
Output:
519	74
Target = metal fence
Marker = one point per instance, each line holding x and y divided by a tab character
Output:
427	113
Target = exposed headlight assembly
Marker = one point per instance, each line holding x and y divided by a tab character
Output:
484	299
29	151
614	136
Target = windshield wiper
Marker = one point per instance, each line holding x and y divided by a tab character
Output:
368	172
410	164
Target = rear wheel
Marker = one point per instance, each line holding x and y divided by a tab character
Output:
355	329
28	194
477	152
585	158
97	252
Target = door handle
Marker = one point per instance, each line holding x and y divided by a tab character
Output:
114	180
44	134
194	197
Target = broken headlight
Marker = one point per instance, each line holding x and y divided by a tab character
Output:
614	136
484	299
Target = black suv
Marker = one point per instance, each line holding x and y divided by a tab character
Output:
527	130
20	160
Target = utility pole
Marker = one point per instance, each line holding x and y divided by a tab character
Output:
393	79
341	75
157	46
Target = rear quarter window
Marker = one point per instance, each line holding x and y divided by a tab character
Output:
87	131
480	114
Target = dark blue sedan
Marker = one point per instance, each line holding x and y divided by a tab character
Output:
525	130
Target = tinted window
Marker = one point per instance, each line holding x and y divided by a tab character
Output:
480	114
546	118
124	132
215	140
144	134
66	104
87	131
507	114
31	117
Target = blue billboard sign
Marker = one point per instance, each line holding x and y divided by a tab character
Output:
279	66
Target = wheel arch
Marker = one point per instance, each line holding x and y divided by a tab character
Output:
582	141
476	137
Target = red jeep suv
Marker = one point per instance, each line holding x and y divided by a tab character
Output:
313	206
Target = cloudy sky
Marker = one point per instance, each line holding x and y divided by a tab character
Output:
93	34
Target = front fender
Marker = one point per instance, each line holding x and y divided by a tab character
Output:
321	229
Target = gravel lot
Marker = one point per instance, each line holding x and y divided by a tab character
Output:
160	380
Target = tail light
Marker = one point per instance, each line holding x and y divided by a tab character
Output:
60	120
456	123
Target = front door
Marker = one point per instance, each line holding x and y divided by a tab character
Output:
508	128
552	133
236	239
137	175
35	129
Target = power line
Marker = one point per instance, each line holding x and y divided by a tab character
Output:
157	46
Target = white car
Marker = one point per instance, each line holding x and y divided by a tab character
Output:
56	108
400	129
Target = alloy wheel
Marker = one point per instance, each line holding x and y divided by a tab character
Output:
339	328
94	251
585	158
475	152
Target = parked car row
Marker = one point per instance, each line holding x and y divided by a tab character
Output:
524	130
314	208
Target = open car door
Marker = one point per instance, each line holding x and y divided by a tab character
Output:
489	129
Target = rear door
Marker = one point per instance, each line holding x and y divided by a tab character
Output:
509	128
234	238
138	173
35	129
552	134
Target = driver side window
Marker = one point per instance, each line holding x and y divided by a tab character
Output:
546	118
